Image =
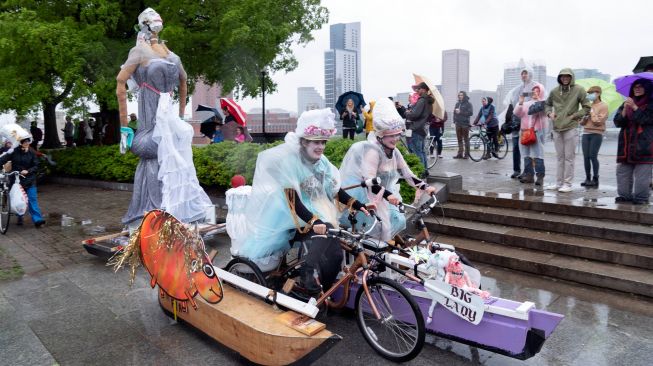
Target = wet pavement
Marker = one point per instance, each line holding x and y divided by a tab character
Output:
70	309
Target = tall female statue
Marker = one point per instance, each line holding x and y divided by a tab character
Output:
165	176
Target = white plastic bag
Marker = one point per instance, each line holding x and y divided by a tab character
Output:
18	198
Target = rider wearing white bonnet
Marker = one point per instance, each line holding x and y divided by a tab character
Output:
386	120
316	124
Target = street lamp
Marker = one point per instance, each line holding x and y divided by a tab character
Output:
263	75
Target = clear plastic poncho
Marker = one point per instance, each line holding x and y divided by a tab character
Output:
270	224
365	160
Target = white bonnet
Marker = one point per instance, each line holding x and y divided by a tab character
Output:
386	119
316	124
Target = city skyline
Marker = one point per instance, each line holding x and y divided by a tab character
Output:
396	45
455	75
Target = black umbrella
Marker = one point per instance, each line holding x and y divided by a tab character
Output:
645	62
357	98
207	127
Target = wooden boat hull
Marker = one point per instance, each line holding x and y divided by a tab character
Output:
247	325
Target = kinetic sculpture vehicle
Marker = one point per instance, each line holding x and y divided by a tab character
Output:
447	293
244	316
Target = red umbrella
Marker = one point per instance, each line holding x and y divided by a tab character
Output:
235	110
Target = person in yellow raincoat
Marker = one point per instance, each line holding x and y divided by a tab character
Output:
369	127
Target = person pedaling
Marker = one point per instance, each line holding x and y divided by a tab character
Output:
379	157
293	196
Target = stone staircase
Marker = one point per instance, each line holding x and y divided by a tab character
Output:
606	246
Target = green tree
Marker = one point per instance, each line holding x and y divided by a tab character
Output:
44	48
231	42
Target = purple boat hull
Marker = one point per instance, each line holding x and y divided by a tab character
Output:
519	336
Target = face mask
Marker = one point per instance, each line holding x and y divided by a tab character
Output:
591	97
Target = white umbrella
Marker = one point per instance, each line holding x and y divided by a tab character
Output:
438	105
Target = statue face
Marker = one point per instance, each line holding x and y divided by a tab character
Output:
151	20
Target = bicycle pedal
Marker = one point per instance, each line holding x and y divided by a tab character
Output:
288	286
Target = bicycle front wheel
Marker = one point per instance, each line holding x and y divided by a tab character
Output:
245	268
477	147
399	334
4	211
502	148
431	153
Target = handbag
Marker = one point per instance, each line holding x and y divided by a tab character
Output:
360	125
528	137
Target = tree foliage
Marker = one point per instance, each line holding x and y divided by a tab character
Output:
54	51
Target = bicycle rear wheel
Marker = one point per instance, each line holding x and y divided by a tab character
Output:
477	147
399	334
431	152
502	148
4	211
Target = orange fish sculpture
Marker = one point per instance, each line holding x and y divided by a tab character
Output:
175	257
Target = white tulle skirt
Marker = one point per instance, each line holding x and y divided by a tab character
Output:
182	195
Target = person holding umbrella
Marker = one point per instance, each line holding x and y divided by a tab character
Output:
349	117
419	115
635	147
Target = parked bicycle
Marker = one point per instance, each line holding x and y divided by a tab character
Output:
387	315
480	145
430	149
5	202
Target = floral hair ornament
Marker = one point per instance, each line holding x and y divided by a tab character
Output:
317	124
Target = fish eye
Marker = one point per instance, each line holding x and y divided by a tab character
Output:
208	270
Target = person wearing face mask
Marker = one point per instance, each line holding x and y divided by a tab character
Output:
23	160
566	106
294	194
165	177
635	147
379	157
592	137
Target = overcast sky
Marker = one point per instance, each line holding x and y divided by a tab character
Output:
399	38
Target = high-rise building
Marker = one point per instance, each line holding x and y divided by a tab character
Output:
455	76
342	63
308	98
590	73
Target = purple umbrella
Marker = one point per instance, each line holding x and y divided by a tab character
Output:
624	83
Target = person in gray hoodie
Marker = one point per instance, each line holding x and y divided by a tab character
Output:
461	114
566	105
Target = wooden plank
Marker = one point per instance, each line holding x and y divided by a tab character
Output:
300	323
248	326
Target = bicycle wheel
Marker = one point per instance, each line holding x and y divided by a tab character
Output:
502	149
431	153
477	147
246	269
4	211
399	334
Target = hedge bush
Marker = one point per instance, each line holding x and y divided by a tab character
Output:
215	164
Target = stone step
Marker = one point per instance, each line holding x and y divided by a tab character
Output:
599	209
579	226
601	250
606	275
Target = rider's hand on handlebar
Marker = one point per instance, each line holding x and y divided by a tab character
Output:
320	229
394	200
24	172
431	190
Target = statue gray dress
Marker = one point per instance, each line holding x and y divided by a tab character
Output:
155	77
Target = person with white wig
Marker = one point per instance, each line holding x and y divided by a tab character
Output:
379	157
294	194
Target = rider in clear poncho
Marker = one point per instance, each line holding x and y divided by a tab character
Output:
378	157
295	189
